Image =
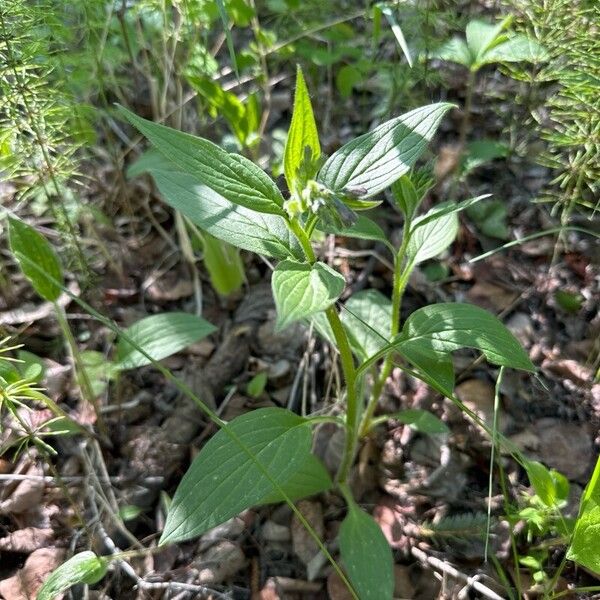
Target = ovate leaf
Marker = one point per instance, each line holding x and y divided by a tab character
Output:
455	50
482	36
311	478
405	196
160	336
421	420
224	265
585	545
302	135
257	232
84	567
542	482
373	161
518	48
432	333
363	228
232	176
301	290
433	237
223	480
36	259
366	556
367	317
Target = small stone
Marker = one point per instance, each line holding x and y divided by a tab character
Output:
273	532
521	327
279	370
219	563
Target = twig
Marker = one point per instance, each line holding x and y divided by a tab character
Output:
447	569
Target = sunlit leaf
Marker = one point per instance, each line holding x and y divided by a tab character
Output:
232	176
301	290
160	336
36	259
84	567
366	555
373	161
303	134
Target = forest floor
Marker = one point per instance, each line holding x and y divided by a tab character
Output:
429	493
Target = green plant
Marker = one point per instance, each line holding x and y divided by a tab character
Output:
567	118
20	389
158	335
40	125
231	198
486	44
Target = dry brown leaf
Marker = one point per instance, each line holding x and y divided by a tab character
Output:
569	369
25	494
491	296
26	582
27	540
478	395
336	588
304	545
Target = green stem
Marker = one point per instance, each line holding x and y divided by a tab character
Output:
80	373
348	367
401	277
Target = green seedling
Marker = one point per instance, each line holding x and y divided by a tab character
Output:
231	198
19	389
485	44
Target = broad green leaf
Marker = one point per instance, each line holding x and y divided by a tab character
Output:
262	233
232	176
432	238
363	228
372	162
36	259
490	218
405	196
256	386
431	333
367	317
447	208
542	482
149	161
32	367
347	77
311	478
481	152
366	555
223	103
223	480
98	369
302	135
482	36
456	51
160	336
421	420
224	265
518	48
585	545
301	290
84	567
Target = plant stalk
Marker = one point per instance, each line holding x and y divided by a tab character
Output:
346	359
401	276
81	376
